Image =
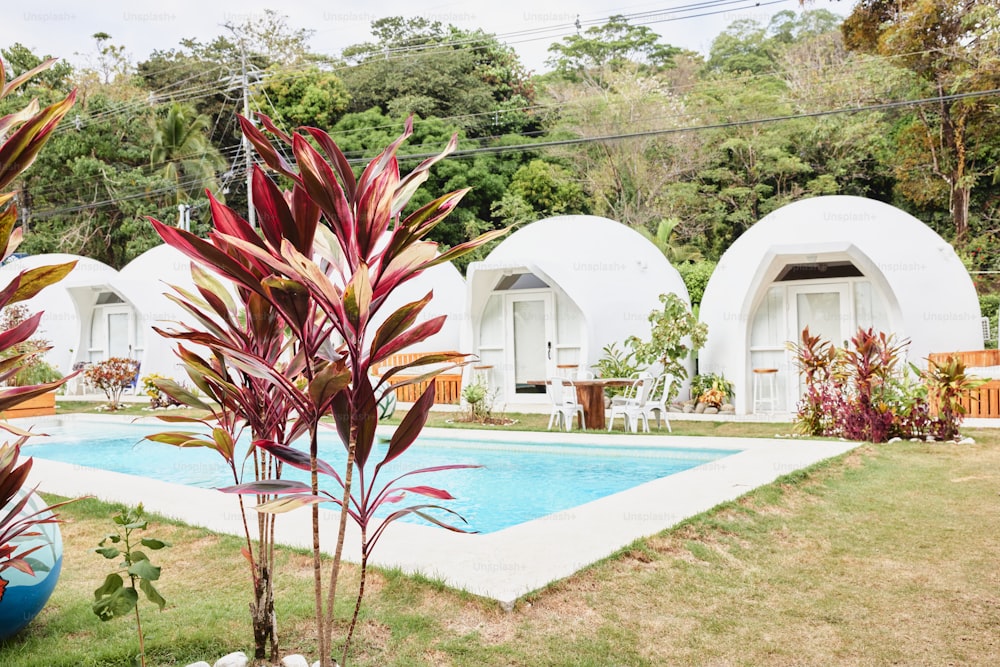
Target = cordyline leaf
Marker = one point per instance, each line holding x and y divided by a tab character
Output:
182	439
358	297
337	158
35	280
418	510
398	322
289	503
19	149
267	487
428	216
11	396
416	178
19	333
464	248
273	216
178	393
414	335
216	296
291	298
365	418
374	206
428	491
390	489
11	120
206	254
7	88
327	383
341	410
305	213
272	158
321	183
386	159
223	443
425	360
272	128
406	264
410	427
295	458
10	238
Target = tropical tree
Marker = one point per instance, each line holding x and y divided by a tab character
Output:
422	67
182	154
952	48
610	47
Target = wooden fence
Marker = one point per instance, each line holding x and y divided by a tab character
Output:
449	383
984	401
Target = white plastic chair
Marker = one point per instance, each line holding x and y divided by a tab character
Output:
562	396
632	405
657	401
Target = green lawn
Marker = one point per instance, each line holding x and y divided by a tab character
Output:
883	556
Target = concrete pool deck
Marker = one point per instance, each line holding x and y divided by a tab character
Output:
504	565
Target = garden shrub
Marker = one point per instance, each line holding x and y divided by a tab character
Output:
864	392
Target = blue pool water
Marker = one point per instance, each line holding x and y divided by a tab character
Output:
518	482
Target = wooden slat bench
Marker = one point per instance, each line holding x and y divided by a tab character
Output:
984	401
449	383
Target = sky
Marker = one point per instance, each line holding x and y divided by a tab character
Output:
63	28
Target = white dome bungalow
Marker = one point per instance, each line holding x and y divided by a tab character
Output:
144	282
84	318
833	264
554	293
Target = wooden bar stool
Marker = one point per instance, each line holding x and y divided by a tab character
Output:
765	389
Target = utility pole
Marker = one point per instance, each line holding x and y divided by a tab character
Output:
251	211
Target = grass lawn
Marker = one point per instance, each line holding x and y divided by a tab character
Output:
884	556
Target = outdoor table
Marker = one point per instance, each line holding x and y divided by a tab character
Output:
590	394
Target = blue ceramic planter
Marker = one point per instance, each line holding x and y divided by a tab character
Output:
25	595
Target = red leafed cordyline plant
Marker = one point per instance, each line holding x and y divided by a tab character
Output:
22	135
237	402
331	251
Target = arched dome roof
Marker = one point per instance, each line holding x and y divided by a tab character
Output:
932	299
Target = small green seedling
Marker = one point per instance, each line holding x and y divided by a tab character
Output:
114	598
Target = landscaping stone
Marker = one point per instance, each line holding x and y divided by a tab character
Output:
294	660
700	408
688	409
199	664
711	410
237	659
728	408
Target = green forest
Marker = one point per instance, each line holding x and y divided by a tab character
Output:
896	103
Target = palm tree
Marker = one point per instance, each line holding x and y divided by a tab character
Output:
183	154
677	252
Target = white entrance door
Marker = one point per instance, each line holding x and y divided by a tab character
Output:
531	342
826	310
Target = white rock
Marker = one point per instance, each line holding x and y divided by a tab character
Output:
199	664
237	659
295	660
967	441
896	439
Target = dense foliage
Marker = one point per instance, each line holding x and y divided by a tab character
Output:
691	150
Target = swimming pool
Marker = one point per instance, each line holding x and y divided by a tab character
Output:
519	481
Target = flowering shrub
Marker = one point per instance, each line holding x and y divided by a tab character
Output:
33	368
113	376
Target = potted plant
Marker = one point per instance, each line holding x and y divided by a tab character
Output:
30	550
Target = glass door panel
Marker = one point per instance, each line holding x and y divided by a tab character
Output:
532	341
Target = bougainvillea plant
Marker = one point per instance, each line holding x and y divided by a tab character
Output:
22	135
330	252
